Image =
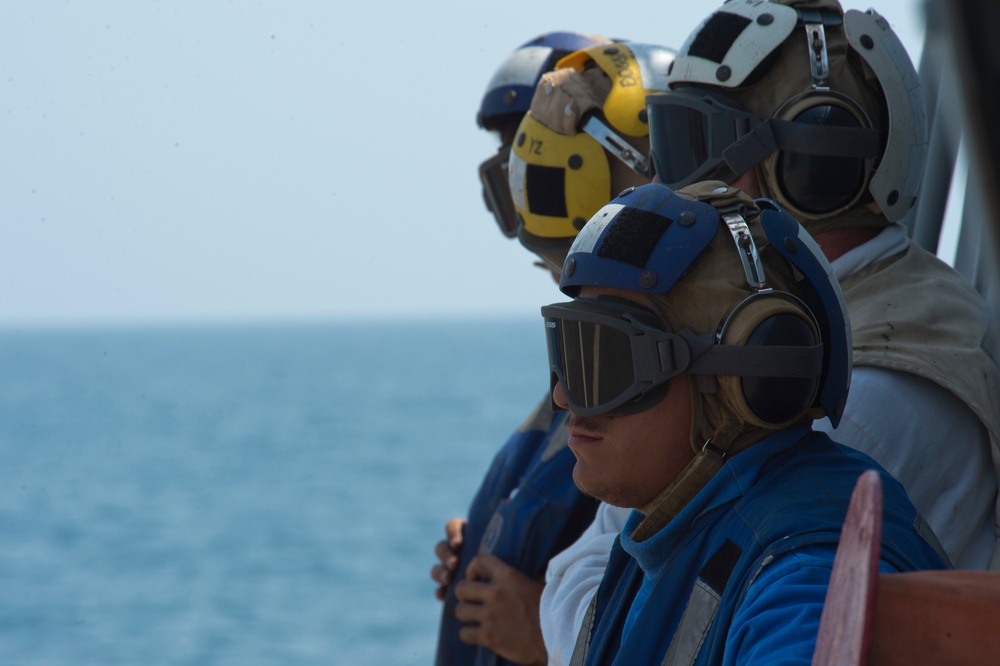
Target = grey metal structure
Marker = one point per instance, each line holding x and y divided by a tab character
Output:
960	70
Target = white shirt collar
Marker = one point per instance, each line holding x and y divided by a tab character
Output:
891	241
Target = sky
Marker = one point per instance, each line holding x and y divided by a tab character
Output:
227	161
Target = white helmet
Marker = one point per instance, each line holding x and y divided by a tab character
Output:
826	106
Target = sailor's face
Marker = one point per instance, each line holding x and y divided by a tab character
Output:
627	460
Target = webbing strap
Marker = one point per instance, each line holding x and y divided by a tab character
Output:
794	137
702	606
760	361
583	638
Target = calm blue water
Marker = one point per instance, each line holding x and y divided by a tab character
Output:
243	495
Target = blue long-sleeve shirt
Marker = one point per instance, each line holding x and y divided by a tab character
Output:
740	575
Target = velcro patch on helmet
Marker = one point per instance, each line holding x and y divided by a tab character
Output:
633	236
717	36
732	43
546	190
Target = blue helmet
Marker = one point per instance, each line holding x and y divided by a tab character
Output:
785	352
512	86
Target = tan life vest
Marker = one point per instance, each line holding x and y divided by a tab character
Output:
915	314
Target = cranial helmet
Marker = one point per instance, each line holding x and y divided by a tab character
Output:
825	106
507	99
746	305
584	139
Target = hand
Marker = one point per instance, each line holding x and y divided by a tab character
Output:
499	606
447	553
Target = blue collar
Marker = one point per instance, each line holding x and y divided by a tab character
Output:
735	478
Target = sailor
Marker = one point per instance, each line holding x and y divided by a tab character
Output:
822	112
705	334
584	139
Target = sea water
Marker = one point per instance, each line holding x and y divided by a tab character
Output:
243	495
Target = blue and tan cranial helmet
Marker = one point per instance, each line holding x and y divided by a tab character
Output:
509	92
584	139
760	322
506	100
824	105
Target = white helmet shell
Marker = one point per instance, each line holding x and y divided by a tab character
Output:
757	29
743	34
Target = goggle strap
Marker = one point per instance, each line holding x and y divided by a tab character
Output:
701	356
760	361
676	351
825	140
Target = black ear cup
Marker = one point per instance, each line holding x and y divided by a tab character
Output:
820	184
770	319
778	400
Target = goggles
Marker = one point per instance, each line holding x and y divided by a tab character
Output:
708	126
721	141
611	356
496	191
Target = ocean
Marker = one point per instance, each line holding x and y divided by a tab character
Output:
243	494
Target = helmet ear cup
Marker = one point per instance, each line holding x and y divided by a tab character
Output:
819	185
770	319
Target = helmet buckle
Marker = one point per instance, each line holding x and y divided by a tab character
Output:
819	64
752	267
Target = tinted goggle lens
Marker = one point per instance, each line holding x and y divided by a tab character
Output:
496	191
595	362
609	355
687	136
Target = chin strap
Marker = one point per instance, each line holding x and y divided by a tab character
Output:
689	483
676	496
728	438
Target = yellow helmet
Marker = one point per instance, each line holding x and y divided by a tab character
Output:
584	139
